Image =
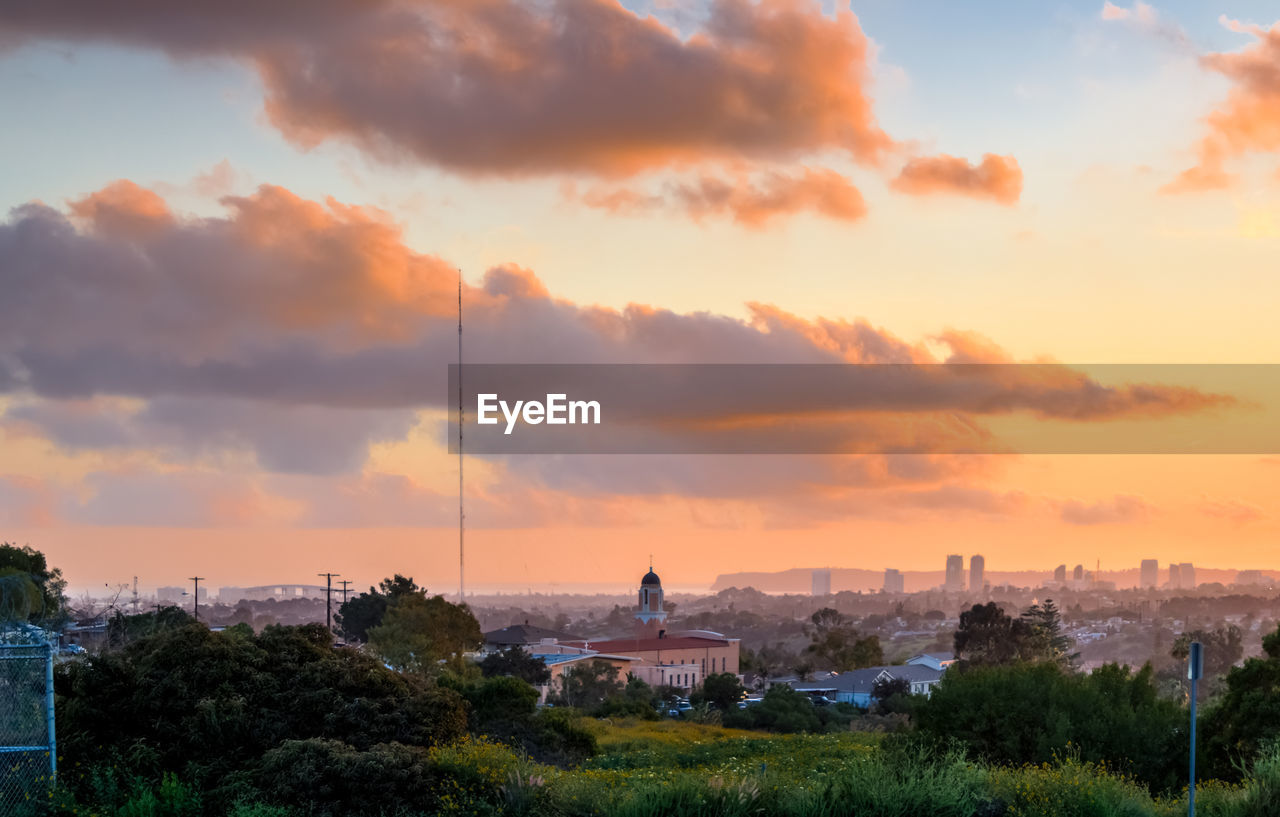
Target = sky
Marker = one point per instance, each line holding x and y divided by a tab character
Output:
231	236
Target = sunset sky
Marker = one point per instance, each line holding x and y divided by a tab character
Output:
232	234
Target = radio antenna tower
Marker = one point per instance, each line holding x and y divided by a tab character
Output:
462	585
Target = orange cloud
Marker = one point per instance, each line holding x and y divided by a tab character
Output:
1248	121
751	203
123	208
998	178
515	88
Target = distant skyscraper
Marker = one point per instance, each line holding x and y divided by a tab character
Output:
1253	577
822	582
1187	574
1078	573
170	594
893	581
1150	573
977	566
1175	577
1060	574
955	573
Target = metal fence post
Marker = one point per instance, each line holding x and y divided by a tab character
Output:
50	720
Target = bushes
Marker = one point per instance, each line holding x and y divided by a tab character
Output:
781	710
1036	712
505	709
209	706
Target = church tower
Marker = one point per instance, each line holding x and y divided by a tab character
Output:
651	617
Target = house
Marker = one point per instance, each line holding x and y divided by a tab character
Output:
557	663
857	686
936	660
524	635
711	653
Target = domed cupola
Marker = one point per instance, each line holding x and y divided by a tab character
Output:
650	598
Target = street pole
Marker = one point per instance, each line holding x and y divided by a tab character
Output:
195	599
1195	668
328	593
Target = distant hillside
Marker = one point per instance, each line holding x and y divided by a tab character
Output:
800	580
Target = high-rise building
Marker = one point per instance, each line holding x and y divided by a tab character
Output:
1253	577
170	594
955	573
1060	574
1187	574
1175	576
893	581
1150	573
822	582
1077	573
977	566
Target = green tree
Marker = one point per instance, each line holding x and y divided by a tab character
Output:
988	635
417	634
359	614
210	705
1034	712
1048	638
1222	648
124	629
722	690
516	663
1246	717
48	603
781	710
588	684
836	644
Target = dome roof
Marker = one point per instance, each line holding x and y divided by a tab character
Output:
650	579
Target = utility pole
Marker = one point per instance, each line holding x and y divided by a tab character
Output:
345	584
135	595
462	584
195	599
328	591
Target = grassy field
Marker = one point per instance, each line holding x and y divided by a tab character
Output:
678	769
674	769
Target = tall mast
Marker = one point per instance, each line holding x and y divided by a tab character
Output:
462	585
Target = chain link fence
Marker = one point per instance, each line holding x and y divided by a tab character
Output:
28	751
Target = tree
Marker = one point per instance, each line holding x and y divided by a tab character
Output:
1222	648
48	601
1034	712
891	695
124	629
419	633
1046	624
781	710
838	645
637	699
359	614
588	684
209	705
722	690
1240	723
988	635
516	663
